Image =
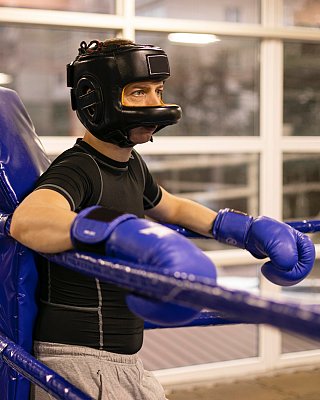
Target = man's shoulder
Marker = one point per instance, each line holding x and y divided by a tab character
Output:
74	156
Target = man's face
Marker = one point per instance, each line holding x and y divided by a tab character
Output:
142	94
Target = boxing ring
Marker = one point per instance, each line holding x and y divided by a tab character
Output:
22	160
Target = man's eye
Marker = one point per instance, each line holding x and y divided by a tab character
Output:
138	93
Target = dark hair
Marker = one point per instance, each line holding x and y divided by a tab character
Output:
96	47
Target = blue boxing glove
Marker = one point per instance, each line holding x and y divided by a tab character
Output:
140	241
291	253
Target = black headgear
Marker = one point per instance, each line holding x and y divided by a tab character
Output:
97	78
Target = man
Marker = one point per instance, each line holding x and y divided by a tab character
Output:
85	330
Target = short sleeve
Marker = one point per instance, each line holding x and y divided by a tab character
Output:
76	177
152	191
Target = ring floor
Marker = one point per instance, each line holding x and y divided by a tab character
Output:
299	385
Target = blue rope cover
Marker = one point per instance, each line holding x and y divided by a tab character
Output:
194	292
36	372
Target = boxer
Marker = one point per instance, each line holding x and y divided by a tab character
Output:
95	196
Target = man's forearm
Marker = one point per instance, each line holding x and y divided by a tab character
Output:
195	217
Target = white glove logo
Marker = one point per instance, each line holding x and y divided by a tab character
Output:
157	230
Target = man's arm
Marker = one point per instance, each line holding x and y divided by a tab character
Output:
291	253
42	222
187	213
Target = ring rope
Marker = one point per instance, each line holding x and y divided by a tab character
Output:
205	318
195	292
304	226
224	306
36	372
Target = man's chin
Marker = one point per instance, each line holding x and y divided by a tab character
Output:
141	138
142	134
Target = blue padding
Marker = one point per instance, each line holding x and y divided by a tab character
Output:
14	356
22	160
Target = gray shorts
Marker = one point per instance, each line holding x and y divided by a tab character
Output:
100	374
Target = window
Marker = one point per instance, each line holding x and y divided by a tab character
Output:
92	6
216	181
34	62
245	11
306	292
301	171
217	85
301	89
302	13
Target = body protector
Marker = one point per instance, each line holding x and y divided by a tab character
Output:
97	78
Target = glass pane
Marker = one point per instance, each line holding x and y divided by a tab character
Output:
301	89
198	345
302	13
33	62
92	6
242	11
306	292
216	181
301	171
217	85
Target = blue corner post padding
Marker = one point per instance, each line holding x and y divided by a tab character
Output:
22	160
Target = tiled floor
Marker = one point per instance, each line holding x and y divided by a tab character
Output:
303	385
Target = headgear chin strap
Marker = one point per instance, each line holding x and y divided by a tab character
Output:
97	78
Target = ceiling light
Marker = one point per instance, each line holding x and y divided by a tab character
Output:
5	79
193	38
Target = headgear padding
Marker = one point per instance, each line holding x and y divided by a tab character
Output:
97	78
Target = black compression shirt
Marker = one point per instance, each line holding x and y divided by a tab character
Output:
76	309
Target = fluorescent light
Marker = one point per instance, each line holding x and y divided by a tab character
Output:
5	79
193	38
